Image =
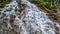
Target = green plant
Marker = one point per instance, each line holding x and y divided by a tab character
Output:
19	2
47	3
3	3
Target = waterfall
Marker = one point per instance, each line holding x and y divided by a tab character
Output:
28	21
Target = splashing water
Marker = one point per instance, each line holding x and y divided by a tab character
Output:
28	21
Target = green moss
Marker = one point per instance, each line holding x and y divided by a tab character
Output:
46	3
19	2
3	3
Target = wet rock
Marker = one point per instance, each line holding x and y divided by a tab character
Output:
9	9
29	21
22	7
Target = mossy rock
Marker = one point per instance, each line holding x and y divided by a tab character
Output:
3	3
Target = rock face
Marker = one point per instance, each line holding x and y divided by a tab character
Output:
28	21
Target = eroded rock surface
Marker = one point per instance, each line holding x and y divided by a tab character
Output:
28	21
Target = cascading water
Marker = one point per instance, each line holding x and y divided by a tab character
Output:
28	21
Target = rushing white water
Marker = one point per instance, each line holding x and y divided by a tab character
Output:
28	21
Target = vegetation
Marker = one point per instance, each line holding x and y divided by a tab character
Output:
51	7
3	3
19	2
50	4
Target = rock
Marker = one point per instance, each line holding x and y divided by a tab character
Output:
22	7
9	9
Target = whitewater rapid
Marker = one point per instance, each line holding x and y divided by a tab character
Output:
28	21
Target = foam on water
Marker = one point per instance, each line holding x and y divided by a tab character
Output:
28	21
